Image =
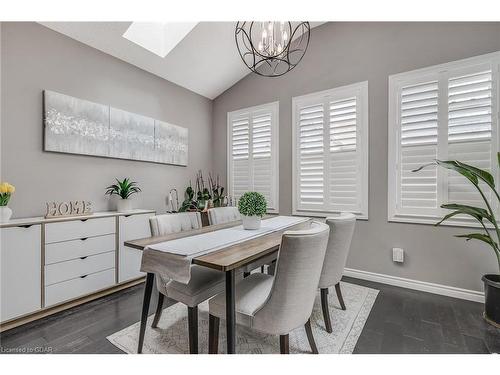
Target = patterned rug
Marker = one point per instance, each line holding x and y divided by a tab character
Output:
171	335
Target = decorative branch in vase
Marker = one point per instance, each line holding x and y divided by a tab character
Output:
124	189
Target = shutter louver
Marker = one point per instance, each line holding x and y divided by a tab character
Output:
469	132
419	134
240	154
311	156
343	179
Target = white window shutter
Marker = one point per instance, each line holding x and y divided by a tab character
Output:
240	174
262	156
344	184
418	118
311	156
469	132
253	153
331	151
444	112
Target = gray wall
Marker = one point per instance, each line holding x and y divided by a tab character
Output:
35	58
344	53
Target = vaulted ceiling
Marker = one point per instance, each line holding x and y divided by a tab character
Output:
205	61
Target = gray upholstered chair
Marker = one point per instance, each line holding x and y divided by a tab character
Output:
281	303
339	243
204	282
222	215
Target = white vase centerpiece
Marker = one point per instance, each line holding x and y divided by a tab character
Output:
124	189
252	206
6	190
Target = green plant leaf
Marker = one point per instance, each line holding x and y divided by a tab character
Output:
252	204
481	174
476	212
479	237
453	165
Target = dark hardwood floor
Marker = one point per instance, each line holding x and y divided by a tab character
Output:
401	321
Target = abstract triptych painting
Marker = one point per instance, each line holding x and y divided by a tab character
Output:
78	126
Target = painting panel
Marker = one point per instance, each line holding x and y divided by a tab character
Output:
171	143
75	126
132	136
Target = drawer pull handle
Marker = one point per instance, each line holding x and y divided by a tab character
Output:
127	215
83	239
83	219
83	277
85	257
26	226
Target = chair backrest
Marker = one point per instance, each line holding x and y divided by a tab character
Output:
295	284
339	243
162	225
221	215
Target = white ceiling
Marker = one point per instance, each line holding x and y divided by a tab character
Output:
206	61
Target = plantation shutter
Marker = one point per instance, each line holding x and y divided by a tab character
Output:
240	174
418	118
253	153
311	151
447	112
330	160
469	132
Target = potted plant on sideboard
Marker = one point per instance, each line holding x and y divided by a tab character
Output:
124	189
489	233
252	206
6	190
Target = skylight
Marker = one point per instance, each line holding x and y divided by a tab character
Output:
158	37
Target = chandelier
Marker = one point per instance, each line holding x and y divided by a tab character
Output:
270	48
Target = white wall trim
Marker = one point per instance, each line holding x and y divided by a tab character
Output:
444	290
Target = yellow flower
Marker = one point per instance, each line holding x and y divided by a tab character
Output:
5	187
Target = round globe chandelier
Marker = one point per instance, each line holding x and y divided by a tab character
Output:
270	48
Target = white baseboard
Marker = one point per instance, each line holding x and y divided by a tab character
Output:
444	290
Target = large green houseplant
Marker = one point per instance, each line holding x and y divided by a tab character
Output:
489	233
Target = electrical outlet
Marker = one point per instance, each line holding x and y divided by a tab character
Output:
398	255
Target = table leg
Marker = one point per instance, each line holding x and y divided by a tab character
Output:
230	313
145	309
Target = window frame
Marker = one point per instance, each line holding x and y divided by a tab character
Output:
441	73
360	91
272	107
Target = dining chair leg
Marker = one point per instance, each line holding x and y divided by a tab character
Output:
145	309
159	310
213	334
262	269
339	296
193	329
284	344
310	337
326	311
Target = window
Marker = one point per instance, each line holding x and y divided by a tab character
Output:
445	112
330	160
253	152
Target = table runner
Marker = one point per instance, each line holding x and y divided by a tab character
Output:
172	259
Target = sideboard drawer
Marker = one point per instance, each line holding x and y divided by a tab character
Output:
66	250
71	230
78	287
78	268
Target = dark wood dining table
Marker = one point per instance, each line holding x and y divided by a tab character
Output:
227	259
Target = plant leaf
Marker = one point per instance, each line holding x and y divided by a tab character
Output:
453	165
477	212
480	237
483	175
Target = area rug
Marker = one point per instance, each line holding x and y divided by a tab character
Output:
171	335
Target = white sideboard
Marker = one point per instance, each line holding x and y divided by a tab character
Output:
47	263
